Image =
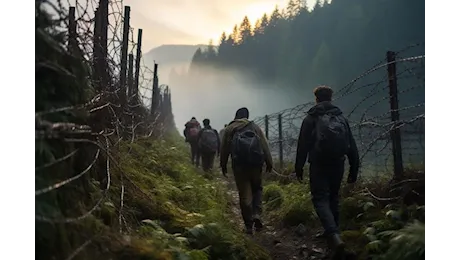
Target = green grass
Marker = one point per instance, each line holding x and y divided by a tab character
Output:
371	228
171	210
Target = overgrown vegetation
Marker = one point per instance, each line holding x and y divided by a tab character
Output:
138	199
373	224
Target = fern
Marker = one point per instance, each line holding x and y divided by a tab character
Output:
407	243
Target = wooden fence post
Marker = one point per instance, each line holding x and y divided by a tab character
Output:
72	42
130	77
154	90
138	65
280	139
124	54
395	133
266	126
97	52
103	10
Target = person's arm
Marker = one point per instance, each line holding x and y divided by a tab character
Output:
353	158
303	144
224	150
265	147
218	141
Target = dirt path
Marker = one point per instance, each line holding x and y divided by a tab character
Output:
281	243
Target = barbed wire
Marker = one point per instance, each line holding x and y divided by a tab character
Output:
366	102
116	111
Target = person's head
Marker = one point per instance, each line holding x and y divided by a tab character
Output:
206	122
242	113
193	118
323	93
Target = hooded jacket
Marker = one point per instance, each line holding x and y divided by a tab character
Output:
307	139
191	124
227	137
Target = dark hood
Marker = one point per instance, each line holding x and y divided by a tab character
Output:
192	123
325	107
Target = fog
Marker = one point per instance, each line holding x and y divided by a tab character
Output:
221	93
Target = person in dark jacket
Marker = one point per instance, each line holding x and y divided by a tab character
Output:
248	178
326	172
192	128
208	145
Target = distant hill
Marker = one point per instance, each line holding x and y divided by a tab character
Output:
171	56
167	54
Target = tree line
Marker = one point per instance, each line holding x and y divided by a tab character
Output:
298	46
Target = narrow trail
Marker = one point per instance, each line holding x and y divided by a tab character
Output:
282	243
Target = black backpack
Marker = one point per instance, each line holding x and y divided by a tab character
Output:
209	140
246	147
332	136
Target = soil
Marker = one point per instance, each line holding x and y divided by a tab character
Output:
282	243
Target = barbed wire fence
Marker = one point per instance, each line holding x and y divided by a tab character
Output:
76	142
386	109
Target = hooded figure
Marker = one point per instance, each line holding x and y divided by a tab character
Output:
248	147
192	128
325	138
208	145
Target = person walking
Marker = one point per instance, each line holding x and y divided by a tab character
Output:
245	142
208	145
325	138
192	128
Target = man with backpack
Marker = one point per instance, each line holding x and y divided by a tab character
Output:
208	144
325	137
248	147
192	128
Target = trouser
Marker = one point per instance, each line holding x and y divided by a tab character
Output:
249	184
195	153
325	181
207	160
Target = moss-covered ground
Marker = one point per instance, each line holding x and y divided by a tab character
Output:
171	210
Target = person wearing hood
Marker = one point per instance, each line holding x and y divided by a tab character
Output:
192	128
249	150
325	138
208	144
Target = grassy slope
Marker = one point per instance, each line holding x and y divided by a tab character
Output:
379	230
171	211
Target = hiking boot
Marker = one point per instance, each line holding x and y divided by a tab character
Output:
248	231
258	224
337	245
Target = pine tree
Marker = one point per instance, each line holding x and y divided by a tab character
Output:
245	30
264	21
211	53
295	7
275	17
235	36
257	28
197	61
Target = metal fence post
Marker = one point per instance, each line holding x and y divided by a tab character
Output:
124	54
138	65
280	139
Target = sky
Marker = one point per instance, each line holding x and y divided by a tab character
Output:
194	21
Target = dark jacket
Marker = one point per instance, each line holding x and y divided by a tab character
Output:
215	131
307	140
190	124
